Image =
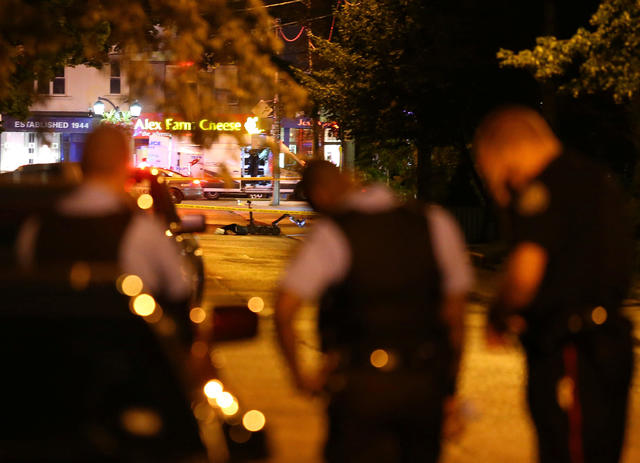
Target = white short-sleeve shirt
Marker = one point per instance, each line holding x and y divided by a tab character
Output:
324	258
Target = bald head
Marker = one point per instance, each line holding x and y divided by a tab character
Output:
324	185
513	145
106	153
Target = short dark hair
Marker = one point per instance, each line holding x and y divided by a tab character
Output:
317	173
106	149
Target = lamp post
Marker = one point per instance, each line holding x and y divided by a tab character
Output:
135	109
98	107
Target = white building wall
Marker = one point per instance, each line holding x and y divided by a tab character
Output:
83	86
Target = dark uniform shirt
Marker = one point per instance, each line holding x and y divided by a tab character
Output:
575	212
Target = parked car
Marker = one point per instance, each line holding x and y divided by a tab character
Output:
61	172
180	187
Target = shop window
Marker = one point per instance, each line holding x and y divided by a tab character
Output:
114	82
58	83
31	145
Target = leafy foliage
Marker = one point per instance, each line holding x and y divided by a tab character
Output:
120	118
38	37
604	57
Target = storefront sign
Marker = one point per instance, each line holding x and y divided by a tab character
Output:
51	124
172	125
297	123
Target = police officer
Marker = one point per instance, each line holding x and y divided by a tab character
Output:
565	279
98	222
393	280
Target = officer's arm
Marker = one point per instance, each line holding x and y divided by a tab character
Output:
453	307
525	269
286	308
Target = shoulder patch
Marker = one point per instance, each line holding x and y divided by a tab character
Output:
534	199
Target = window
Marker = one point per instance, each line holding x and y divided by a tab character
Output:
58	83
114	83
57	87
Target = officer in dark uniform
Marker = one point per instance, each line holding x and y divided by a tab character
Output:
565	279
393	279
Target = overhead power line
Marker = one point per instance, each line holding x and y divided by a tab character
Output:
272	5
304	20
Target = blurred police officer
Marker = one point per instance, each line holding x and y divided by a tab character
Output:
99	223
565	279
393	280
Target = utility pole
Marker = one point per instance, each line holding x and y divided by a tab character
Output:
315	129
275	132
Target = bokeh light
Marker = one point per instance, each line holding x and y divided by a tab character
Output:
599	315
197	315
239	434
145	201
379	358
143	305
253	420
231	409
224	400
213	389
256	304
131	285
141	421
79	275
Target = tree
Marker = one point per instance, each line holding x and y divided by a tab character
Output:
596	74
39	37
604	57
419	72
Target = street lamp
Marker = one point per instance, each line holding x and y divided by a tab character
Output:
98	107
135	109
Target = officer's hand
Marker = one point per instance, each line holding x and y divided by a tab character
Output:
312	384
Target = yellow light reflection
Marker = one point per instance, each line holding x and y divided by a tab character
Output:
145	201
79	275
239	434
197	315
143	305
156	316
213	389
199	349
198	252
379	358
599	315
231	409
224	400
256	304
253	420
168	233
154	171
131	285
141	421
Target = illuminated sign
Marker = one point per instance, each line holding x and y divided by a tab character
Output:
251	126
206	124
172	125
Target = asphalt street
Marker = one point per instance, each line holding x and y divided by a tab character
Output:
491	381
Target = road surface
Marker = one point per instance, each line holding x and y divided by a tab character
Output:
491	381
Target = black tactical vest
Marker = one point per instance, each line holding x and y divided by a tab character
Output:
67	239
391	296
